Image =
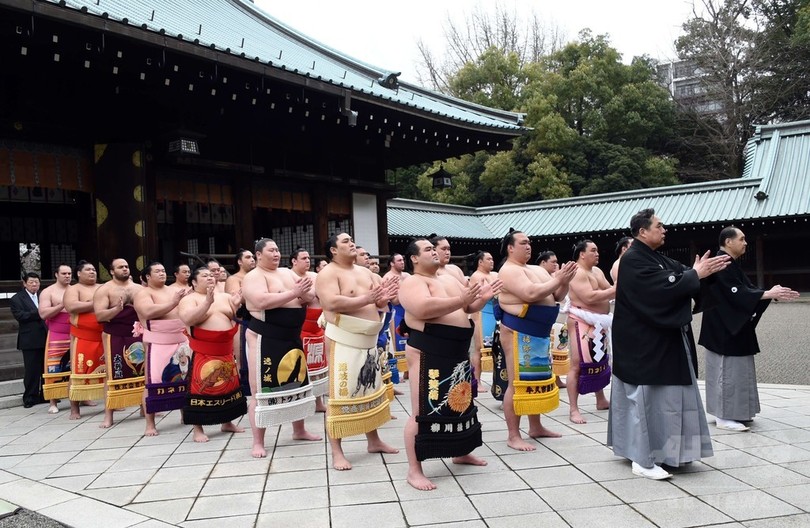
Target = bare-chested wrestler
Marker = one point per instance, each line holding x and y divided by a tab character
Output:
362	258
312	332
444	419
112	304
216	268
392	318
352	298
374	265
548	261
589	323
214	395
245	261
622	246
321	265
157	307
277	298
182	272
529	294
483	274
87	376
57	348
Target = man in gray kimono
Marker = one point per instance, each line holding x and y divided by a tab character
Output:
656	414
732	309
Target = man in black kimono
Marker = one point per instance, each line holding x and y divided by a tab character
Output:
656	415
732	309
31	338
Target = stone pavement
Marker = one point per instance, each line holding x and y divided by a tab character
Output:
80	475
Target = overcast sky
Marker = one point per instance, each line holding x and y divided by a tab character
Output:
385	33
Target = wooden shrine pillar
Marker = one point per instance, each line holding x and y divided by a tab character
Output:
120	203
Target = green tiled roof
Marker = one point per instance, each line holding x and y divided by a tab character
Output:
239	28
775	184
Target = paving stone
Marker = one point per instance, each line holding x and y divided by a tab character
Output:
754	504
680	513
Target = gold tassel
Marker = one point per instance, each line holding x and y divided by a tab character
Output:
402	365
86	392
530	404
358	423
55	391
486	360
117	399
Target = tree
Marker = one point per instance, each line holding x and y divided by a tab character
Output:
753	61
603	125
529	38
596	125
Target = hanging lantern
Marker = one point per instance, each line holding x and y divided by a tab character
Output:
441	178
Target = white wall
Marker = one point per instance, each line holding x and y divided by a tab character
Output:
364	220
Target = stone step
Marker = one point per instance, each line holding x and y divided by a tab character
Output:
8	341
11	388
7	402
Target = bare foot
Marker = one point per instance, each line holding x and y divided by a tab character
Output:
543	432
378	446
470	460
340	462
231	428
398	392
258	451
53	409
603	406
75	415
419	481
108	420
576	417
319	406
561	384
88	403
394	417
520	445
199	435
306	435
151	431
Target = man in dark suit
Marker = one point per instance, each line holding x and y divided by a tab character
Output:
31	338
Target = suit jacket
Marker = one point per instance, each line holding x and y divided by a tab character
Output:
731	313
653	304
33	332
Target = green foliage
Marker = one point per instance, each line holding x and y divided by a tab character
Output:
596	125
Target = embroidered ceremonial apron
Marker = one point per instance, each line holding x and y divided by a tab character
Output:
283	391
242	319
357	400
168	358
447	419
535	389
560	359
399	341
312	340
592	332
500	376
57	357
87	368
125	359
382	348
214	395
